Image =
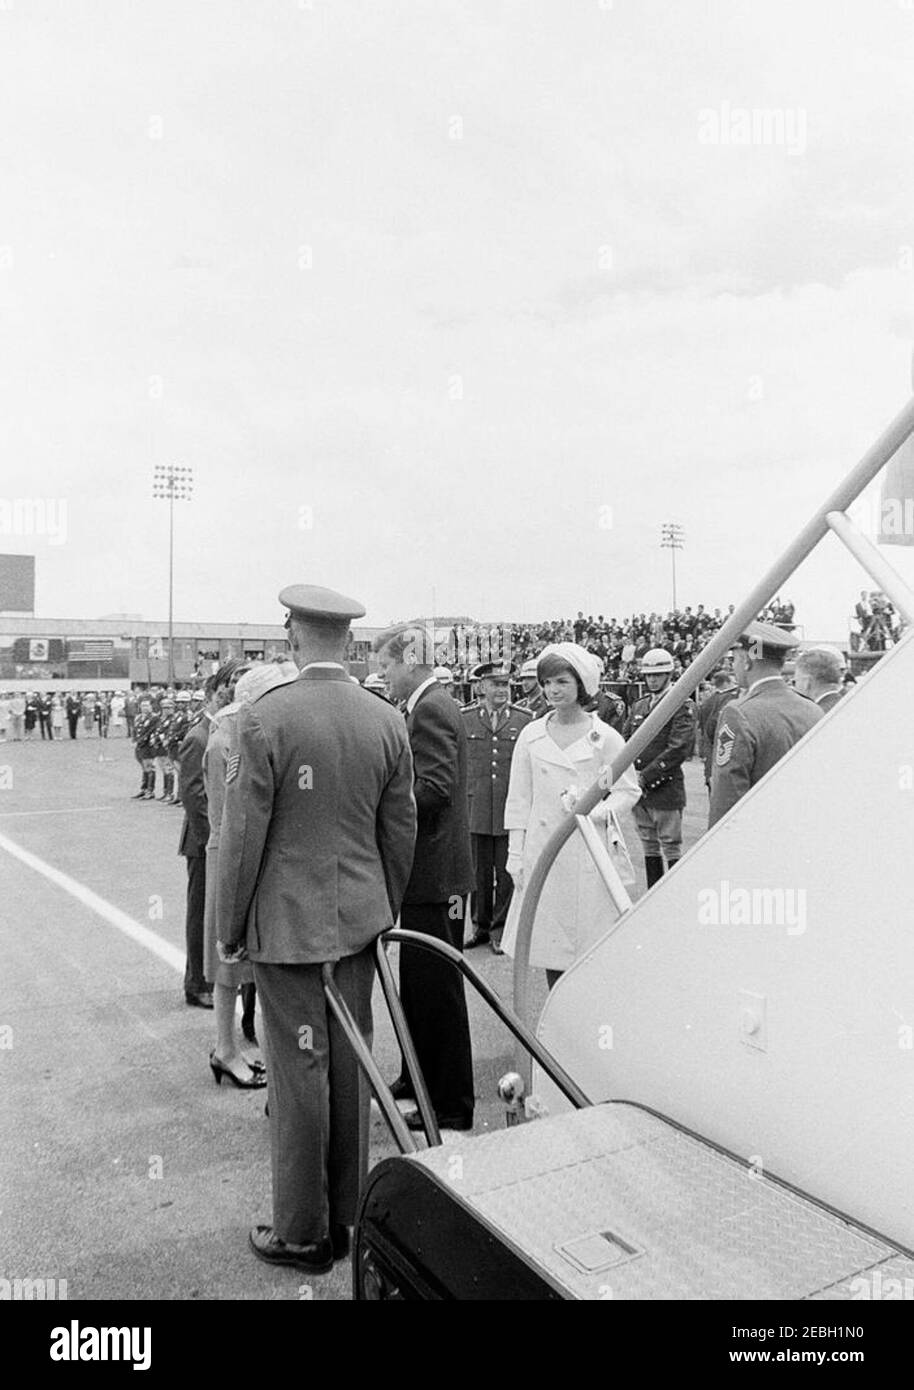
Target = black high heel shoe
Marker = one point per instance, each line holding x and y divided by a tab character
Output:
257	1082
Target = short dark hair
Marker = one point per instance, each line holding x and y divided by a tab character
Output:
552	665
415	637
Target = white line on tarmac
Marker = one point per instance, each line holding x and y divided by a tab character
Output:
111	914
60	811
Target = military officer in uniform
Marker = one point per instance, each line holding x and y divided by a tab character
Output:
317	842
756	730
492	727
658	814
534	701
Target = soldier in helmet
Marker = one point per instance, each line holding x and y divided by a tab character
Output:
377	685
533	700
658	814
445	678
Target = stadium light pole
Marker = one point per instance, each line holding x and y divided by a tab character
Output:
171	481
672	538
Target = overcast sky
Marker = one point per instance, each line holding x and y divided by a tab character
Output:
449	301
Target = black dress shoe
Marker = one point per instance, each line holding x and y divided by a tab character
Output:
203	1000
479	938
414	1121
402	1089
339	1239
316	1257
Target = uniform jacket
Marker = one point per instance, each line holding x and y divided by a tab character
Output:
443	866
535	705
319	823
144	732
660	765
708	715
195	830
753	733
489	764
575	908
179	725
611	710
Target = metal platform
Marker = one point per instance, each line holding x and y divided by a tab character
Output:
615	1203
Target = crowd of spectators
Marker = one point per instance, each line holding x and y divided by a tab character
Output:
618	642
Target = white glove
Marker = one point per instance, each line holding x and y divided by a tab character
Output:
515	867
601	813
569	799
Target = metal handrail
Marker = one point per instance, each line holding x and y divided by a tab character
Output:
344	1018
521	1032
888	443
407	1046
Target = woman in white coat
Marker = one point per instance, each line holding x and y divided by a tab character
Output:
556	759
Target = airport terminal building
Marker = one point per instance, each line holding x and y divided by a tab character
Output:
121	652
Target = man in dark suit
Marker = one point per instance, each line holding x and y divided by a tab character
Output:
317	840
442	877
194	835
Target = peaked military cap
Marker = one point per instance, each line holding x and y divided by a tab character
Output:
311	601
769	637
491	670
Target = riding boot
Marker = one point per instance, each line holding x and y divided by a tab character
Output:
141	794
653	867
151	788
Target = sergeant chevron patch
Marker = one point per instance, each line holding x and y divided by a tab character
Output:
725	741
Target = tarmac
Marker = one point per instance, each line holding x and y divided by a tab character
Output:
124	1170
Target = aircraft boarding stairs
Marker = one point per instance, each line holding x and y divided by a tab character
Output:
728	1073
